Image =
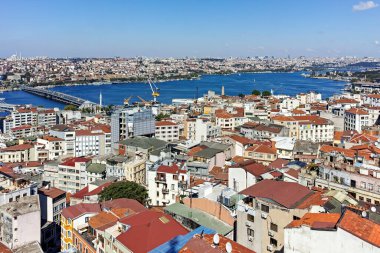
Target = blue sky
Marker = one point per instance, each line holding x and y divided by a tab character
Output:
200	28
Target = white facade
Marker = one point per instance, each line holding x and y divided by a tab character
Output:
21	222
304	239
201	130
167	131
355	120
239	179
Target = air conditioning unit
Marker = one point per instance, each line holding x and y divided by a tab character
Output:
270	233
264	215
270	248
247	223
250	238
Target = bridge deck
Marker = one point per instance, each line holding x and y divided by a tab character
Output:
55	95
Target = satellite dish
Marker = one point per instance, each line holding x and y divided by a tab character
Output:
373	209
216	239
364	214
228	247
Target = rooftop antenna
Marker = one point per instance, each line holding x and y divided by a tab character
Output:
364	214
373	209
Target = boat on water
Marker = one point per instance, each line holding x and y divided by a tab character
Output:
305	75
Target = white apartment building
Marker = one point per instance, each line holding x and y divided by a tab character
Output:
309	128
30	116
20	222
290	103
73	174
165	184
54	146
331	233
308	98
198	130
19	117
15	188
355	119
92	142
68	135
167	131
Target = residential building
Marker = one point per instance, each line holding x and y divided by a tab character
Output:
20	222
73	174
261	153
53	146
166	183
68	135
332	233
18	153
309	128
130	122
167	131
200	129
356	119
265	211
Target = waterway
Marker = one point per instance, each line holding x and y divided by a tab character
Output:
280	83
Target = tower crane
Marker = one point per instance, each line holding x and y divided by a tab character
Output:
126	100
155	90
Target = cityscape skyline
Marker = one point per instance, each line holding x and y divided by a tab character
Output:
191	29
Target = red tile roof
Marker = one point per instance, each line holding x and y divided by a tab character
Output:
284	193
260	148
75	211
357	111
256	169
165	123
71	162
365	229
278	163
205	245
148	230
292	172
52	192
20	147
173	169
315	220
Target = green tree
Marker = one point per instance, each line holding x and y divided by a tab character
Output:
70	108
256	92
125	189
266	93
241	95
161	116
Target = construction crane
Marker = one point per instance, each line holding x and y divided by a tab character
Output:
143	100
155	90
126	100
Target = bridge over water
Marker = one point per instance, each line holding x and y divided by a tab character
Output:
57	96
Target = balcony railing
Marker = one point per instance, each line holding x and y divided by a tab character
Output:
165	190
160	179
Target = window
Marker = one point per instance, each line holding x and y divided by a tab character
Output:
361	198
273	242
296	218
370	187
86	219
251	218
158	193
369	200
250	232
362	185
172	186
265	208
273	227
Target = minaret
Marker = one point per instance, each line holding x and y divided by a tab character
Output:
271	92
222	90
100	99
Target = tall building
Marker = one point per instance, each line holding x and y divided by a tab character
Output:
20	222
130	122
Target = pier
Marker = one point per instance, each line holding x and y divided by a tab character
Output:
58	96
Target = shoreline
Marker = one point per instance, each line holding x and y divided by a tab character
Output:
105	82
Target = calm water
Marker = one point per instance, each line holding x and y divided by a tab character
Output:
281	83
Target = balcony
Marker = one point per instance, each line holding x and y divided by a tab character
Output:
165	190
160	179
182	185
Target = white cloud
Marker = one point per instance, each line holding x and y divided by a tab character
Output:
377	42
310	50
362	6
